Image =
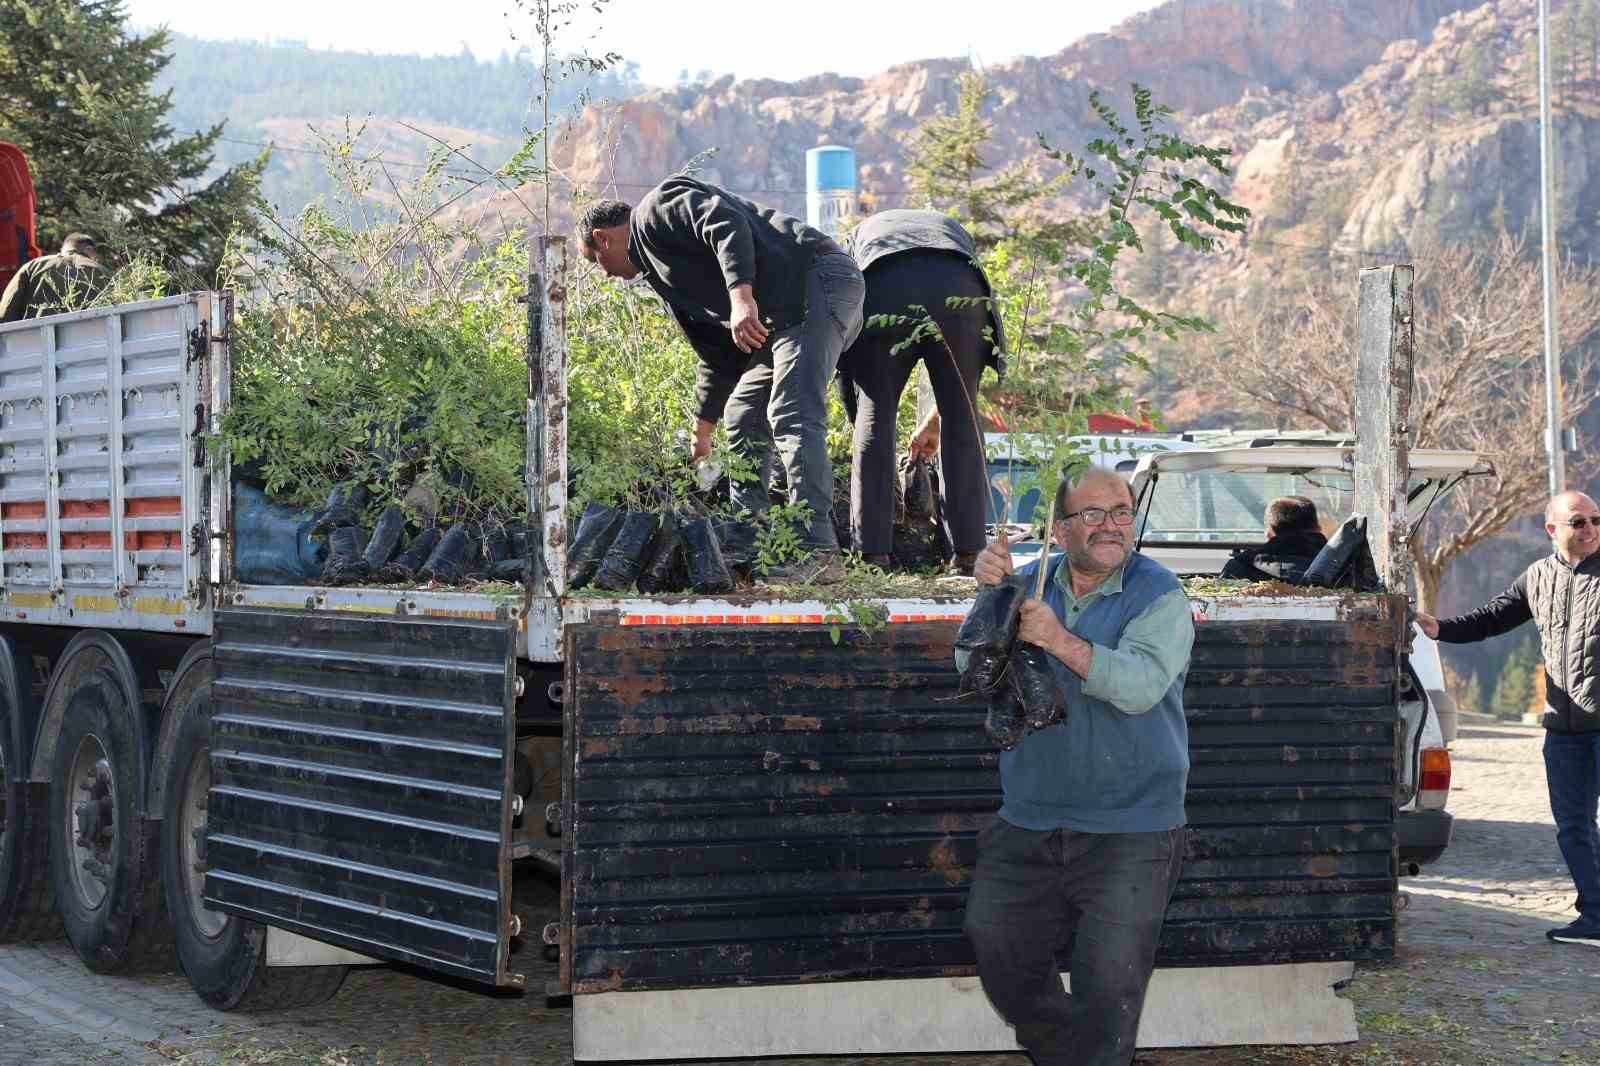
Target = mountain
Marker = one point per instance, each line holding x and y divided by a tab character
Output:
294	97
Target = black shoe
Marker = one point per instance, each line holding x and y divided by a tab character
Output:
1582	931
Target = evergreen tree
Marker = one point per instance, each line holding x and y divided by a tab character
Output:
947	171
1471	87
1470	699
1589	38
1422	109
1513	691
76	97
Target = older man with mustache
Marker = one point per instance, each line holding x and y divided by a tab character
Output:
1560	594
1090	834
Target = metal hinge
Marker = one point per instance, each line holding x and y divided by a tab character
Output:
199	434
199	342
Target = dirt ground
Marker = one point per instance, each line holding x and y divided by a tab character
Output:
1475	982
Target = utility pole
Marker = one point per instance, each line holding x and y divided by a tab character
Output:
1555	441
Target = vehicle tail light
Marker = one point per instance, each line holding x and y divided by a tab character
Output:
1434	787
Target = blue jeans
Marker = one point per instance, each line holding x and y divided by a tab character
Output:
1572	771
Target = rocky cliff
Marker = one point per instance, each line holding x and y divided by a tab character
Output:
1199	56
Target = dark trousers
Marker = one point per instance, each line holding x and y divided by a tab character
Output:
875	376
1034	889
782	399
1572	771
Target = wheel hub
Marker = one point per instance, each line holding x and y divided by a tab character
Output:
93	821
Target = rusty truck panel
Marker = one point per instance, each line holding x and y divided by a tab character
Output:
753	805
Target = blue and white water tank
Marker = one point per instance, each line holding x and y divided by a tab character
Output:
830	187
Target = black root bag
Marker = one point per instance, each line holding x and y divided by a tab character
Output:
988	633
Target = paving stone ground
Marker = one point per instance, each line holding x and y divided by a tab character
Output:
1475	982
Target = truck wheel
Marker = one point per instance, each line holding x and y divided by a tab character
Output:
224	956
103	864
27	909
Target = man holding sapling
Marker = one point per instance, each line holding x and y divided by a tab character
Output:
768	303
1090	833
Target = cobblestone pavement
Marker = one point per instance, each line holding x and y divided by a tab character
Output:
1475	982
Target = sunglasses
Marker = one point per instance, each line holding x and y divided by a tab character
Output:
1580	521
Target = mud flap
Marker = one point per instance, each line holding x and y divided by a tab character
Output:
361	784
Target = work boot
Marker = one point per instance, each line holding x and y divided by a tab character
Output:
963	563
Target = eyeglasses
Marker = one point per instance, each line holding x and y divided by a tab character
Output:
1579	521
1094	516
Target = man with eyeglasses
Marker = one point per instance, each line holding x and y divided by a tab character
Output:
1089	837
1560	594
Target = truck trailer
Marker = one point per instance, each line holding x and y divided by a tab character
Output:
762	815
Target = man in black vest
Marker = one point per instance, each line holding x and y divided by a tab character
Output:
920	258
768	303
1561	595
1293	539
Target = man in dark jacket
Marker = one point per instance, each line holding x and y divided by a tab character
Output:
53	284
920	258
768	303
1561	595
1293	539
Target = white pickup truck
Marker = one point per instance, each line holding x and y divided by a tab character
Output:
1204	496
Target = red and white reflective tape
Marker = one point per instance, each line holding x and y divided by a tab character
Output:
775	619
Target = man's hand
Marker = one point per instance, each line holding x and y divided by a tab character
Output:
925	441
702	440
1040	626
994	562
1428	624
744	322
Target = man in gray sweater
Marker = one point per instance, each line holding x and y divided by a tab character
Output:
1090	833
768	304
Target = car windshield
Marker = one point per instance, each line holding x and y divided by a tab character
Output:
1014	488
1229	506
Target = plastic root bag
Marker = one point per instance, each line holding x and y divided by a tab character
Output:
344	507
919	489
661	570
988	632
385	537
708	571
1007	722
596	530
345	566
447	565
629	551
405	565
1036	686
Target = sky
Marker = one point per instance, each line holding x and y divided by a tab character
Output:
747	38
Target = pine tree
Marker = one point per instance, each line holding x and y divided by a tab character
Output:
1471	87
947	171
1422	109
1513	690
76	97
1470	699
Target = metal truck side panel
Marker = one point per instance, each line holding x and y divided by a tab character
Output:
360	783
753	804
103	466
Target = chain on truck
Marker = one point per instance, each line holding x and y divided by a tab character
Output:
754	825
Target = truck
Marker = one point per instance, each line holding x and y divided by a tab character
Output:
762	815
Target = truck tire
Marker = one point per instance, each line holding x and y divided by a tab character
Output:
27	908
224	956
103	862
